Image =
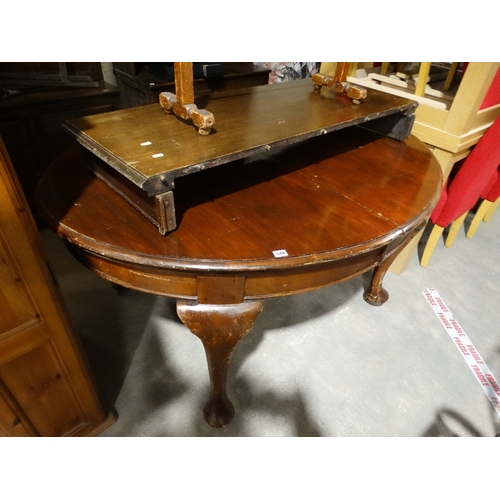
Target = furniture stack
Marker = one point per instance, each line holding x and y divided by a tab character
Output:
476	178
449	121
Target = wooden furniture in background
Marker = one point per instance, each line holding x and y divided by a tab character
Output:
15	75
450	121
141	84
45	386
475	177
31	117
295	219
488	205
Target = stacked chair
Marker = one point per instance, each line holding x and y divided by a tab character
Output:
477	178
490	200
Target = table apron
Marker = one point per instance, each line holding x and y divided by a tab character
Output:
230	287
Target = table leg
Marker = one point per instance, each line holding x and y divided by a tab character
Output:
376	294
220	327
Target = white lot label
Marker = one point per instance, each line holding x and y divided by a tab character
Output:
280	253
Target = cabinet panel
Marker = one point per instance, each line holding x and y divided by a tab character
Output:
11	422
39	385
45	385
14	303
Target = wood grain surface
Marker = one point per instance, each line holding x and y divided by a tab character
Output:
333	196
152	148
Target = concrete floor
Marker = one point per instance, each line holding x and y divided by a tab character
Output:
323	363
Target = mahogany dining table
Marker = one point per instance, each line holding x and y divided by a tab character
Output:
301	217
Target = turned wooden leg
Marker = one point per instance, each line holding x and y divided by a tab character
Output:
220	327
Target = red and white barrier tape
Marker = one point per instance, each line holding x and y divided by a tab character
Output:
476	364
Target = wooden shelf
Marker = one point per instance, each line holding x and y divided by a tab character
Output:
251	121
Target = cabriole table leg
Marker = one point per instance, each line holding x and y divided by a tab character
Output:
376	294
220	327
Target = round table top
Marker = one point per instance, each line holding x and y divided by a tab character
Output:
325	199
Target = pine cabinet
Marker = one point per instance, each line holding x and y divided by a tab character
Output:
46	388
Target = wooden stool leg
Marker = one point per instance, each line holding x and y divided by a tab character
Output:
423	73
481	212
454	228
451	75
436	233
491	211
384	67
220	327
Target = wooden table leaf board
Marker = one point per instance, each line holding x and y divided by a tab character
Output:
140	152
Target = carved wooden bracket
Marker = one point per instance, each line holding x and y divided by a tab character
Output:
338	83
182	102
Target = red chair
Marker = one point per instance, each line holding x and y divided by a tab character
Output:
491	200
459	195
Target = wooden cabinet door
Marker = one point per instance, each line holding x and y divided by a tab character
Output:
45	385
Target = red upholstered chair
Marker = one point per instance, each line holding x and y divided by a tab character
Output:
459	195
491	200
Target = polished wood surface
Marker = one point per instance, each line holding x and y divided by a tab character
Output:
301	217
153	149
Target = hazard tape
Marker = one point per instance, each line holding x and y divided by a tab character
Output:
474	361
